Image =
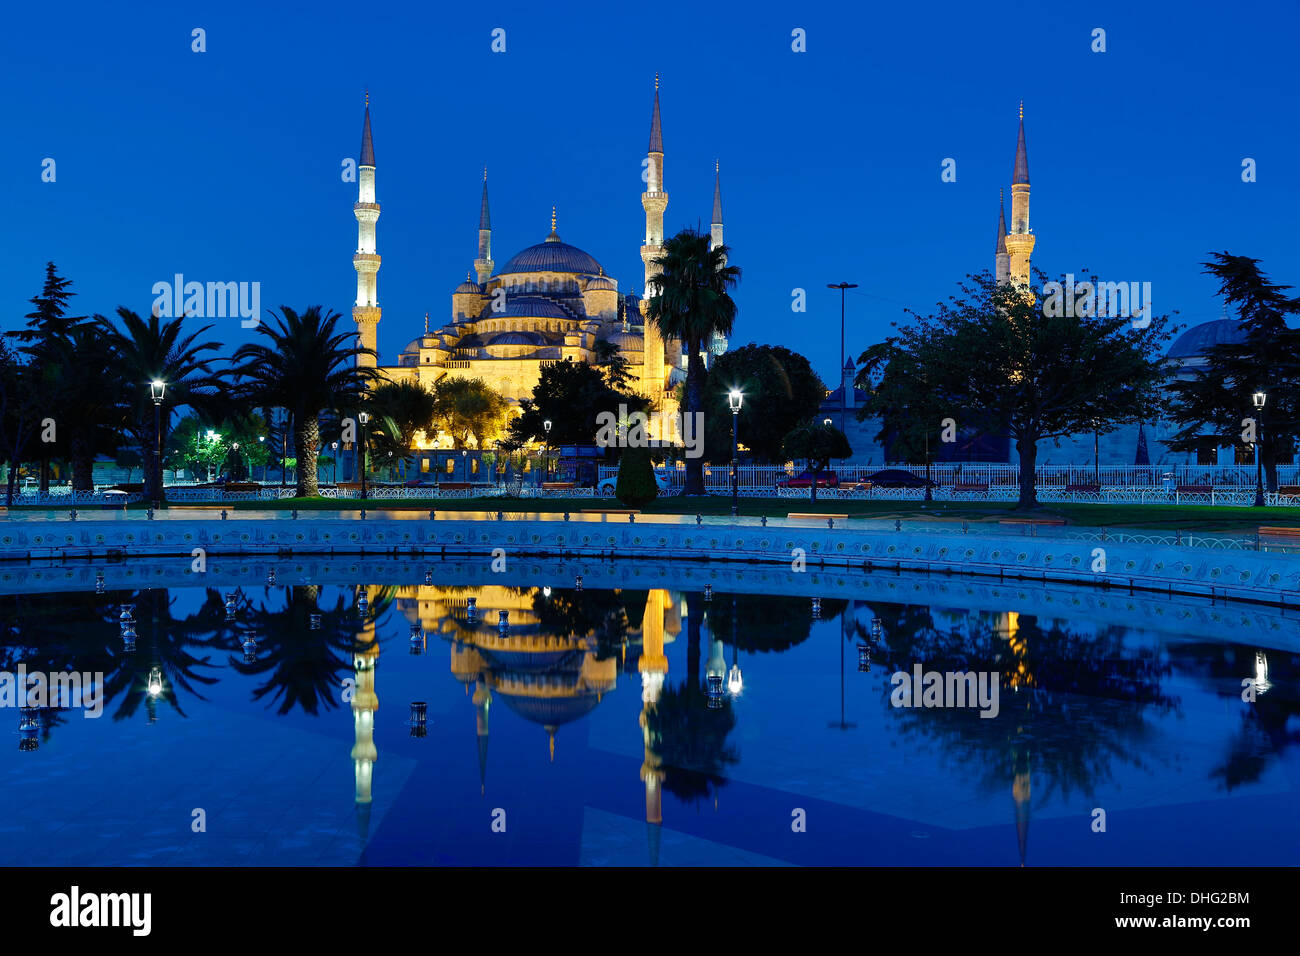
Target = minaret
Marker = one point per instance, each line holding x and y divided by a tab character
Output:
364	704
366	261
483	264
654	200
715	229
1020	241
482	705
1001	256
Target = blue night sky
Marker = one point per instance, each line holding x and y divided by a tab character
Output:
225	165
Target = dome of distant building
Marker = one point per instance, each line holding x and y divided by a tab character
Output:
517	338
601	283
1196	340
628	341
552	256
470	287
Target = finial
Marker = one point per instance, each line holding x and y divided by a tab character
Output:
485	174
426	320
367	99
999	194
656	81
717	167
552	219
1022	109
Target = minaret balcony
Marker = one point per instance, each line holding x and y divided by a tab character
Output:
366	262
366	211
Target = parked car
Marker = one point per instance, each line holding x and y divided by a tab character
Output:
898	478
608	485
825	479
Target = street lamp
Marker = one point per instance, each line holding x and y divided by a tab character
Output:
334	451
212	437
464	463
261	440
546	426
842	286
235	449
734	399
156	390
364	418
1259	398
826	422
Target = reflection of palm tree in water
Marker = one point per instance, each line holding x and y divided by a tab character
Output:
1040	727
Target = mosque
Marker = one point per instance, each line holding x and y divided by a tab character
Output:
549	302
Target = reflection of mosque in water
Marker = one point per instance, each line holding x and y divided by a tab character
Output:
501	647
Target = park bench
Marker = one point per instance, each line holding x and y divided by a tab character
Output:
455	485
1195	489
242	486
1052	521
1289	490
855	486
557	485
1084	489
820	517
972	487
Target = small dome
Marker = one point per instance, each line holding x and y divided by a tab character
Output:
1198	338
628	341
468	287
517	338
600	284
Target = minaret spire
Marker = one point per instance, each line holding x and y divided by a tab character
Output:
483	263
1020	241
365	261
654	200
715	228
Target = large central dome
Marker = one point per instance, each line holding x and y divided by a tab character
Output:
552	256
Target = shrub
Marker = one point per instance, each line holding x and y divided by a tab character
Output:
636	481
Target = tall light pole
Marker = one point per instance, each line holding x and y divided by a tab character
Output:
734	399
235	449
1259	399
212	437
364	418
157	388
546	426
842	286
261	453
334	453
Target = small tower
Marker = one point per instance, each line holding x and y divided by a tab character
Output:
364	704
715	228
483	264
654	200
366	261
1002	258
1020	241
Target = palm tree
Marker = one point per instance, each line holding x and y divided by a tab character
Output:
151	349
690	300
401	409
308	368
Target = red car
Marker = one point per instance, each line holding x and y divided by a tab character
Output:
825	479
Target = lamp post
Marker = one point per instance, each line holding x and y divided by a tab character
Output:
212	437
734	399
842	286
334	452
261	440
235	449
464	464
364	418
156	390
546	426
1259	399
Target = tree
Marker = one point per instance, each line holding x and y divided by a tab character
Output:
617	369
129	459
690	300
1215	405
307	367
465	407
20	413
401	410
145	350
816	443
912	412
780	388
996	360
571	395
45	342
636	480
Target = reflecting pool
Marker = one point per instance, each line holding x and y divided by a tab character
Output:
397	712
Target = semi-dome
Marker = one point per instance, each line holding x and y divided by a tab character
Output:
601	283
517	338
532	307
1196	340
469	287
552	256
